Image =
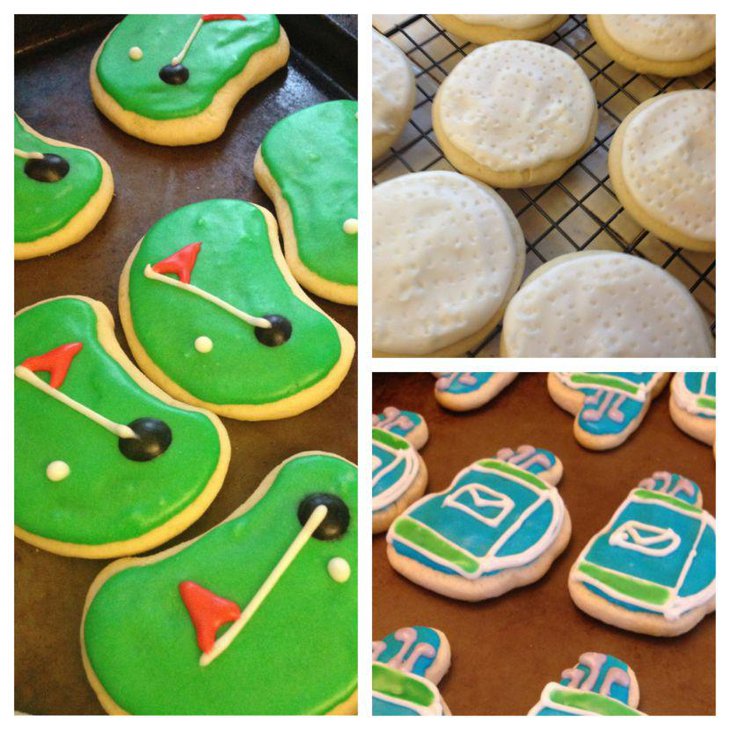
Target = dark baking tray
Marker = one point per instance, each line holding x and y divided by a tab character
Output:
52	94
505	650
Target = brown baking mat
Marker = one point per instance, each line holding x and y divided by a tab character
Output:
52	95
505	650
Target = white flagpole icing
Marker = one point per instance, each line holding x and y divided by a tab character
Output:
117	429
180	56
27	155
310	526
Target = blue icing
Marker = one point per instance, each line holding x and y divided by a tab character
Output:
548	711
400	426
620	603
408	552
703	566
381	706
693	383
424	635
458	387
537	523
536	467
678	487
616	691
382	480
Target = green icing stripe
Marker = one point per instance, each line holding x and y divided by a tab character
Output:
220	51
632	587
605	380
414	532
513	471
397	684
312	156
42	208
648	494
390	439
706	403
591	702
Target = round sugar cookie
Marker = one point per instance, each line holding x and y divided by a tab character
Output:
448	254
665	45
515	114
483	29
604	304
394	93
662	167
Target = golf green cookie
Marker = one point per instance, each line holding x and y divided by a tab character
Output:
215	318
61	192
307	164
106	464
258	616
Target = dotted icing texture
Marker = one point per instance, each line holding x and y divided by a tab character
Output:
106	497
604	305
668	161
393	87
445	251
236	264
219	52
142	644
513	22
516	105
42	208
663	37
312	155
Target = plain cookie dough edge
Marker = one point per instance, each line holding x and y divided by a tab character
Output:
182	520
484	34
476	399
284	408
702	429
347	707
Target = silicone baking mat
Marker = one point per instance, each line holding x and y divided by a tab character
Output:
579	211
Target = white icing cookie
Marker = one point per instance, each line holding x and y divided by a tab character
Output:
515	113
662	167
666	45
604	304
484	29
448	253
394	93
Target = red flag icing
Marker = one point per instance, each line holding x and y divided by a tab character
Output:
56	362
181	263
208	612
208	18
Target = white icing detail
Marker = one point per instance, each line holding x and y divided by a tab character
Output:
643	389
482	496
396	490
513	22
642	538
339	570
178	59
686	400
135	53
117	429
150	273
203	344
27	155
546	701
223	642
350	226
57	471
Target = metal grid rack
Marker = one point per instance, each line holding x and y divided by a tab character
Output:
580	210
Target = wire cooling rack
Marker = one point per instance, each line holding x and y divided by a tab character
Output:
580	210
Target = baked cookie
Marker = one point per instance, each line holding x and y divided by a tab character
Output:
213	626
466	391
407	666
61	192
106	464
448	253
608	407
307	164
692	404
483	29
498	526
399	473
604	304
599	684
662	167
515	114
664	45
394	93
215	318
175	79
652	568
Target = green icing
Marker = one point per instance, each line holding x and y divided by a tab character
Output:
604	380
706	403
634	587
106	497
591	702
42	208
236	264
219	52
513	471
297	655
402	686
658	496
390	439
312	155
413	531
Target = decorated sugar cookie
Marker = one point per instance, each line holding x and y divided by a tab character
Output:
407	666
106	464
175	79
465	391
498	526
692	404
213	315
599	684
61	192
399	473
307	164
608	407
257	616
652	568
